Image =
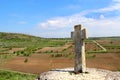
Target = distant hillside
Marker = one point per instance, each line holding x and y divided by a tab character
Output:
18	40
29	41
4	35
112	37
11	36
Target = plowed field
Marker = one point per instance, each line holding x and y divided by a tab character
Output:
39	63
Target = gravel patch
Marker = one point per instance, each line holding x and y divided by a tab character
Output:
91	74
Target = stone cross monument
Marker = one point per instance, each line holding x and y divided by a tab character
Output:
79	35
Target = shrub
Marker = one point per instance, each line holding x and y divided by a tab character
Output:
70	46
56	55
51	55
118	69
17	53
21	52
51	51
71	56
26	60
46	51
26	54
94	56
64	49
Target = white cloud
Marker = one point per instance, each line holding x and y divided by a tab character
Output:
102	16
52	23
97	27
104	27
116	1
114	6
110	8
61	22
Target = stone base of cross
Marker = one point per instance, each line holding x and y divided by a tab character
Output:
79	35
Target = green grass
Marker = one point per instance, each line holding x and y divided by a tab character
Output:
30	43
10	40
13	75
90	56
72	55
5	57
99	51
112	48
118	69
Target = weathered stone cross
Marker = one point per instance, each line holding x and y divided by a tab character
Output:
78	36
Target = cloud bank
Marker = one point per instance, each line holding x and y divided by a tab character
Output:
101	26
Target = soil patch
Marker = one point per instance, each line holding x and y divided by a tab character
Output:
53	49
15	49
39	63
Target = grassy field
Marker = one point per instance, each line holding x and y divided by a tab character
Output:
30	43
10	46
10	40
13	42
13	75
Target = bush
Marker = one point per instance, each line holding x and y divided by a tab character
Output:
22	53
90	56
26	60
64	49
94	56
56	55
118	69
52	55
51	51
18	53
70	46
26	54
71	56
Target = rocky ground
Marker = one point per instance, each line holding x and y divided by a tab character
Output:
91	74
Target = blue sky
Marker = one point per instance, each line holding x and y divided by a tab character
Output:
56	18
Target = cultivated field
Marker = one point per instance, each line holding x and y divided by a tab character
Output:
29	54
